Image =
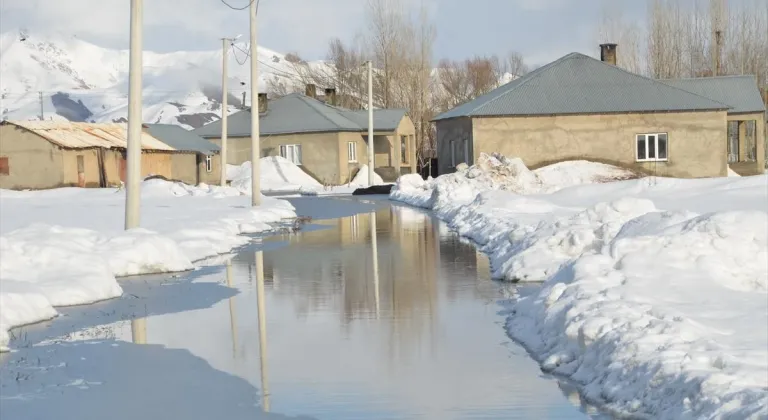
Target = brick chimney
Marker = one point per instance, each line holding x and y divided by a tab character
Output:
608	53
330	96
263	102
311	91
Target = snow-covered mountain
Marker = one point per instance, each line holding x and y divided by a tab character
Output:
80	81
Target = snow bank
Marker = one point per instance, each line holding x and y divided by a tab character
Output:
361	178
277	175
578	172
655	291
74	256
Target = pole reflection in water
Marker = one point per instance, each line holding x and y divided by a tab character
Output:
232	312
375	255
139	330
262	315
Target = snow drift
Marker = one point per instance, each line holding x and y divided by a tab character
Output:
655	291
74	257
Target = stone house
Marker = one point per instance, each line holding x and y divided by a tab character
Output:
327	142
196	161
578	107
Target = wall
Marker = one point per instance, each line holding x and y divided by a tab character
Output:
184	168
383	155
751	168
406	128
320	152
696	148
349	168
33	161
90	165
156	163
214	176
456	130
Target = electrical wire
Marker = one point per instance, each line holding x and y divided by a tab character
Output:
240	8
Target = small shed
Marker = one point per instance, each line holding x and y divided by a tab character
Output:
51	154
197	160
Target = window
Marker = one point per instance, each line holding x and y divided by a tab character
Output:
352	151
453	153
208	163
403	149
651	147
291	152
5	168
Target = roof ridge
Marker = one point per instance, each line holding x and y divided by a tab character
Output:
528	77
724	76
314	106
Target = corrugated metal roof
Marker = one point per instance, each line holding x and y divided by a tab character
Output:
181	139
578	84
78	135
297	113
740	92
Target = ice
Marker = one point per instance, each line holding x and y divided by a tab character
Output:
66	246
654	298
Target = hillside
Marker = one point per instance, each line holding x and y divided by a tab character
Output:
80	81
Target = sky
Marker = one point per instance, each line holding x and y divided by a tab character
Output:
542	30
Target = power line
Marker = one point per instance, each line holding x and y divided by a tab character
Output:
238	8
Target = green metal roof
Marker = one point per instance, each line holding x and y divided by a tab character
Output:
740	92
578	84
296	113
181	139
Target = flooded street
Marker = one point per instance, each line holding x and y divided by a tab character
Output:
379	313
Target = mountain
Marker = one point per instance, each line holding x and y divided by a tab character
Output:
80	81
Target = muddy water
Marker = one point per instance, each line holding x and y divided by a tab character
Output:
380	313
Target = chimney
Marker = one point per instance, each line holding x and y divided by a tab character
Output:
608	53
263	102
330	96
311	91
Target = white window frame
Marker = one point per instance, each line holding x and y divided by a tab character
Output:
352	151
655	147
296	157
208	163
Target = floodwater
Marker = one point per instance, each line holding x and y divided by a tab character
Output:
380	314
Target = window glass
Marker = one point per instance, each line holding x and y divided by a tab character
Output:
641	147
662	149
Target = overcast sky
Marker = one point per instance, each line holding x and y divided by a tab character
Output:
540	29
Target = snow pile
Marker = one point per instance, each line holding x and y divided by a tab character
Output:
361	178
277	175
578	172
655	293
76	254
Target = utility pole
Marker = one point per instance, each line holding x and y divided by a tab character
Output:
371	162
42	110
224	110
255	146
133	154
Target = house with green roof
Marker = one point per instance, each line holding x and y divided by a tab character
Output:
326	141
579	107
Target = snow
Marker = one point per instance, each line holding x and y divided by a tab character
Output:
277	175
176	84
66	246
361	178
655	290
732	173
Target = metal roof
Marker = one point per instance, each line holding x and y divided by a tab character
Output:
740	92
297	113
79	135
181	139
578	84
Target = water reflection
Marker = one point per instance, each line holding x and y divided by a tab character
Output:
383	314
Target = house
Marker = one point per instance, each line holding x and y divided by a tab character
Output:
578	107
746	116
51	154
199	160
327	142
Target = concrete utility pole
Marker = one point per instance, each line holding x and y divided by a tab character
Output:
224	109
42	109
371	162
255	146
133	154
